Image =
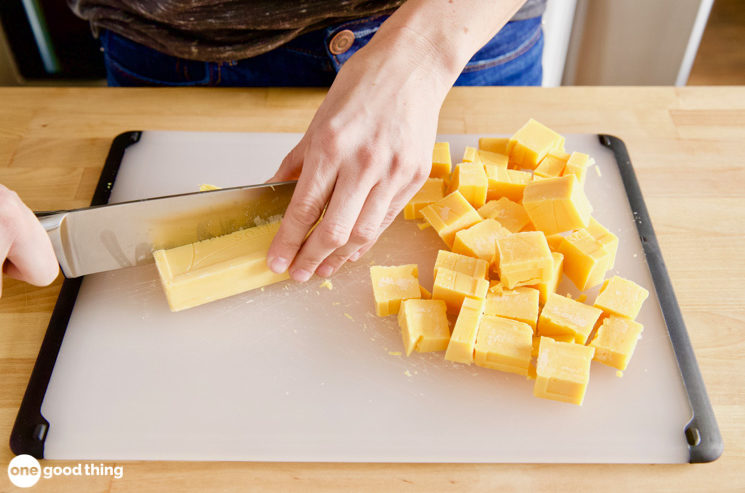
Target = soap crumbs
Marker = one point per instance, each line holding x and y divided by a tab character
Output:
336	303
407	373
619	373
349	316
582	298
394	353
326	284
597	170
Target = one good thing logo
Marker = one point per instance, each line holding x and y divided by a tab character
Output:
24	471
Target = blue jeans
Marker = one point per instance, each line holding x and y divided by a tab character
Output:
511	58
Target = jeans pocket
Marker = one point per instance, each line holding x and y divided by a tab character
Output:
131	64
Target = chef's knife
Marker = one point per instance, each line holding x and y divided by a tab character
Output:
108	237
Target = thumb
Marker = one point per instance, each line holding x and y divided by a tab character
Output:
291	165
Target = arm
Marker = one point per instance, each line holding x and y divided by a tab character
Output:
368	148
25	250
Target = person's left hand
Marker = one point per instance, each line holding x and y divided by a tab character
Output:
366	152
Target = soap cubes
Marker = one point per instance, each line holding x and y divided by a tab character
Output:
463	340
552	165
480	239
392	285
523	259
530	144
509	214
562	316
508	183
558	204
424	325
520	304
470	180
562	371
432	191
546	287
605	237
577	165
456	262
494	144
449	215
586	260
619	296
615	341
503	344
452	287
441	160
493	159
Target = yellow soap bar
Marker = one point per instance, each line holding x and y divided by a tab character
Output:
441	160
520	304
424	325
619	296
432	191
216	268
471	155
546	287
523	259
551	165
494	144
470	180
494	159
462	342
452	287
605	237
449	215
509	214
392	285
586	260
503	344
564	316
562	371
558	204
464	264
577	165
508	183
615	341
530	144
480	239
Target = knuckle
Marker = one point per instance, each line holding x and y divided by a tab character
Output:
364	233
305	212
334	234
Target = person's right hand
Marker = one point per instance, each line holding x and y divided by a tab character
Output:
26	253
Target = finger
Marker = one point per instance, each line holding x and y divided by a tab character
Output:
364	232
291	165
311	194
333	232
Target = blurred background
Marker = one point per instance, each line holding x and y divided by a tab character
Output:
588	42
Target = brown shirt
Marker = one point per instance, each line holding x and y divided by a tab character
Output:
224	30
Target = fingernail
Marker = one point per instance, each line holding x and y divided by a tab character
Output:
301	275
325	270
354	257
278	265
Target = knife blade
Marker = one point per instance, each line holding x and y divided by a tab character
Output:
124	234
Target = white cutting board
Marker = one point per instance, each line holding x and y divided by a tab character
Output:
297	372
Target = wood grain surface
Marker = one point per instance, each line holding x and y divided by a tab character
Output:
687	146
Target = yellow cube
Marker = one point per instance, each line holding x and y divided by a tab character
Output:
449	215
426	295
520	304
530	144
503	344
432	191
471	155
523	259
480	239
562	316
508	183
558	204
562	371
509	214
494	159
456	262
424	325
577	165
554	241
551	165
615	341
462	342
441	161
453	287
619	296
392	285
470	180
605	237
586	260
494	144
544	288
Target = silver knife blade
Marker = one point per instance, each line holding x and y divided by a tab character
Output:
109	237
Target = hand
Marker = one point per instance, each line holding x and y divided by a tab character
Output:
366	152
25	250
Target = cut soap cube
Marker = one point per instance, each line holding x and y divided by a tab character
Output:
508	183
530	144
449	215
523	259
470	266
621	297
462	342
520	304
441	161
480	239
562	371
431	191
558	204
470	180
424	325
503	344
562	316
452	287
586	260
494	144
392	285
615	341
509	214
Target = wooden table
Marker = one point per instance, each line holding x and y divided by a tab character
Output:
687	148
